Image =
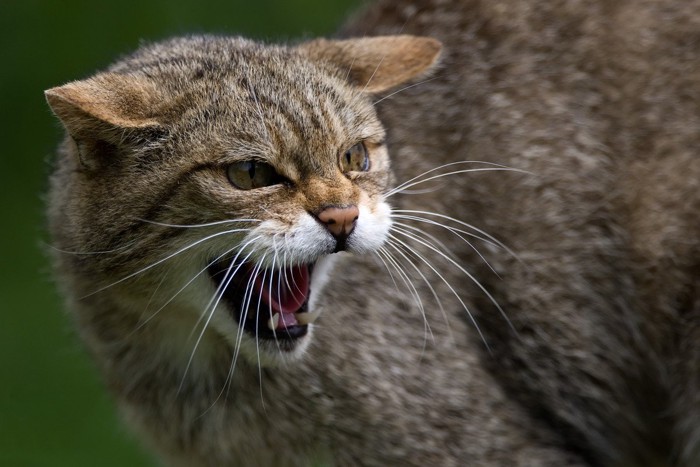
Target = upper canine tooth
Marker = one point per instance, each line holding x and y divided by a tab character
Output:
306	318
273	322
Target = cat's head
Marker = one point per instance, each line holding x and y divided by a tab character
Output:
219	176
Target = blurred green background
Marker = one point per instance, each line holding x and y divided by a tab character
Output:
53	411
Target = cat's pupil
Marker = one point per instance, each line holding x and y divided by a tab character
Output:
251	170
355	159
247	175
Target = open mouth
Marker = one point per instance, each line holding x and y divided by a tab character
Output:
267	303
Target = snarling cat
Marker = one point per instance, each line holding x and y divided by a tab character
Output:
469	240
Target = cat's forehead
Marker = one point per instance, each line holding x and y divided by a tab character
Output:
252	99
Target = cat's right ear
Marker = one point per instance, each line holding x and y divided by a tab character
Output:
376	64
105	114
106	106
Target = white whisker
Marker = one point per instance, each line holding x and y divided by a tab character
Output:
194	226
442	245
391	275
162	260
347	73
223	285
286	277
244	315
87	253
187	284
454	172
279	298
412	289
155	292
400	247
218	294
485	237
417	179
427	244
457	296
257	328
373	73
405	88
454	230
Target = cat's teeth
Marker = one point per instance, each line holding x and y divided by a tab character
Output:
273	322
306	318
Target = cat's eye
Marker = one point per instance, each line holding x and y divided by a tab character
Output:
355	159
248	175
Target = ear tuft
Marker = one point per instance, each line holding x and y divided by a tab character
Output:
105	103
377	63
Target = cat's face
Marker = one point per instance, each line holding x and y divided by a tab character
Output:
227	176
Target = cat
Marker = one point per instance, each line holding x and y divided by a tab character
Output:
459	233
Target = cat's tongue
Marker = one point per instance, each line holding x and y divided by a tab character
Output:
284	292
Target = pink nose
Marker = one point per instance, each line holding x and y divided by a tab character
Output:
339	220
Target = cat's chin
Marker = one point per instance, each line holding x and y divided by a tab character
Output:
269	353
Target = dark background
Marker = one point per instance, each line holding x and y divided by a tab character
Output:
53	410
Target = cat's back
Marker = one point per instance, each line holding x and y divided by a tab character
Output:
600	102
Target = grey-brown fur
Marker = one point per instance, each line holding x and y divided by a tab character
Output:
598	100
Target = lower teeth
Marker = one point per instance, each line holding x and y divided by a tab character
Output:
306	318
302	319
273	322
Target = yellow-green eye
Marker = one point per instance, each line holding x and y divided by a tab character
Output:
248	175
355	159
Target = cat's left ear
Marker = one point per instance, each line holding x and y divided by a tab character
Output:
377	63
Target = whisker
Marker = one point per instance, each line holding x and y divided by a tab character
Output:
160	261
451	164
223	285
426	326
447	174
412	290
443	246
457	296
405	88
244	315
406	185
422	191
452	229
155	291
435	240
458	266
87	253
347	73
400	248
279	291
257	326
218	294
247	297
153	315
286	277
373	73
486	236
194	226
391	275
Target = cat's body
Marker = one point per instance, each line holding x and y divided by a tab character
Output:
594	359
